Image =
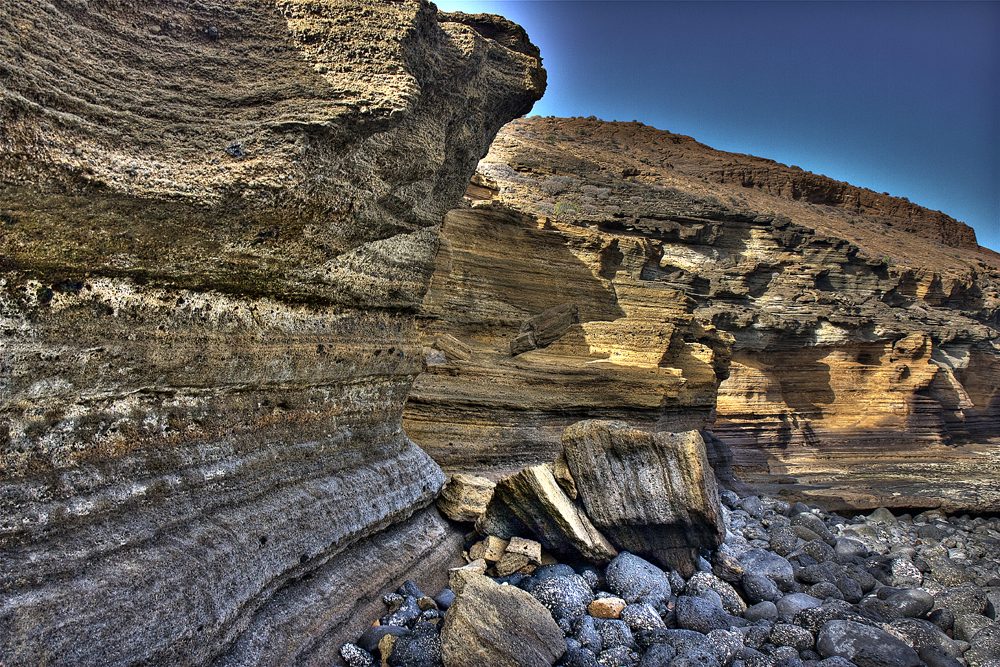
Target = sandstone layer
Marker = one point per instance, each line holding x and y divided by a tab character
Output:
853	338
218	221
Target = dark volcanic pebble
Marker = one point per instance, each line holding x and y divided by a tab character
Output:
634	579
565	596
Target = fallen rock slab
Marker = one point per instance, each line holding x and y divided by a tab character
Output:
465	497
544	328
534	497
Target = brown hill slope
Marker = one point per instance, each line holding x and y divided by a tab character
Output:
829	344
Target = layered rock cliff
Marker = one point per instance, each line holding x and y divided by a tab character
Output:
218	221
843	343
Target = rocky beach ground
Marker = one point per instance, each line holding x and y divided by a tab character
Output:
790	586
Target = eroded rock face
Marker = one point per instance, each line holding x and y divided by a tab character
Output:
853	337
636	350
218	221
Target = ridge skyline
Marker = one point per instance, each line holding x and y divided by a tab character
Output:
914	113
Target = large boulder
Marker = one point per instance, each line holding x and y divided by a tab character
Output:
502	626
218	221
654	495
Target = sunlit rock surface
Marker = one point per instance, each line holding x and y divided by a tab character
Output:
218	221
852	336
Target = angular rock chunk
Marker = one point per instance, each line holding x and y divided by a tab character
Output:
544	328
490	549
652	494
489	624
511	563
864	645
531	549
465	497
535	499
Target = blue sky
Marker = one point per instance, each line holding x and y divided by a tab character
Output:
901	97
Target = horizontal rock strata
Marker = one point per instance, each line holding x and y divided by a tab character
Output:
636	349
855	345
218	221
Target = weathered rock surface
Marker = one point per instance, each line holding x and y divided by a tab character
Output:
636	353
652	494
534	498
489	624
218	221
863	331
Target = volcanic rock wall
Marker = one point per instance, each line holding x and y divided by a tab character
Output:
864	359
218	220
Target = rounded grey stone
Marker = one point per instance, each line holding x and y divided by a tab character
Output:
615	632
912	603
770	565
964	599
824	590
786	634
847	547
765	610
641	616
864	645
795	602
850	589
701	616
633	578
564	597
760	588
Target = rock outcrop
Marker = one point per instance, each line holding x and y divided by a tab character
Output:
218	221
845	346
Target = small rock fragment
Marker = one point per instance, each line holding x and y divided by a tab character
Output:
606	607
